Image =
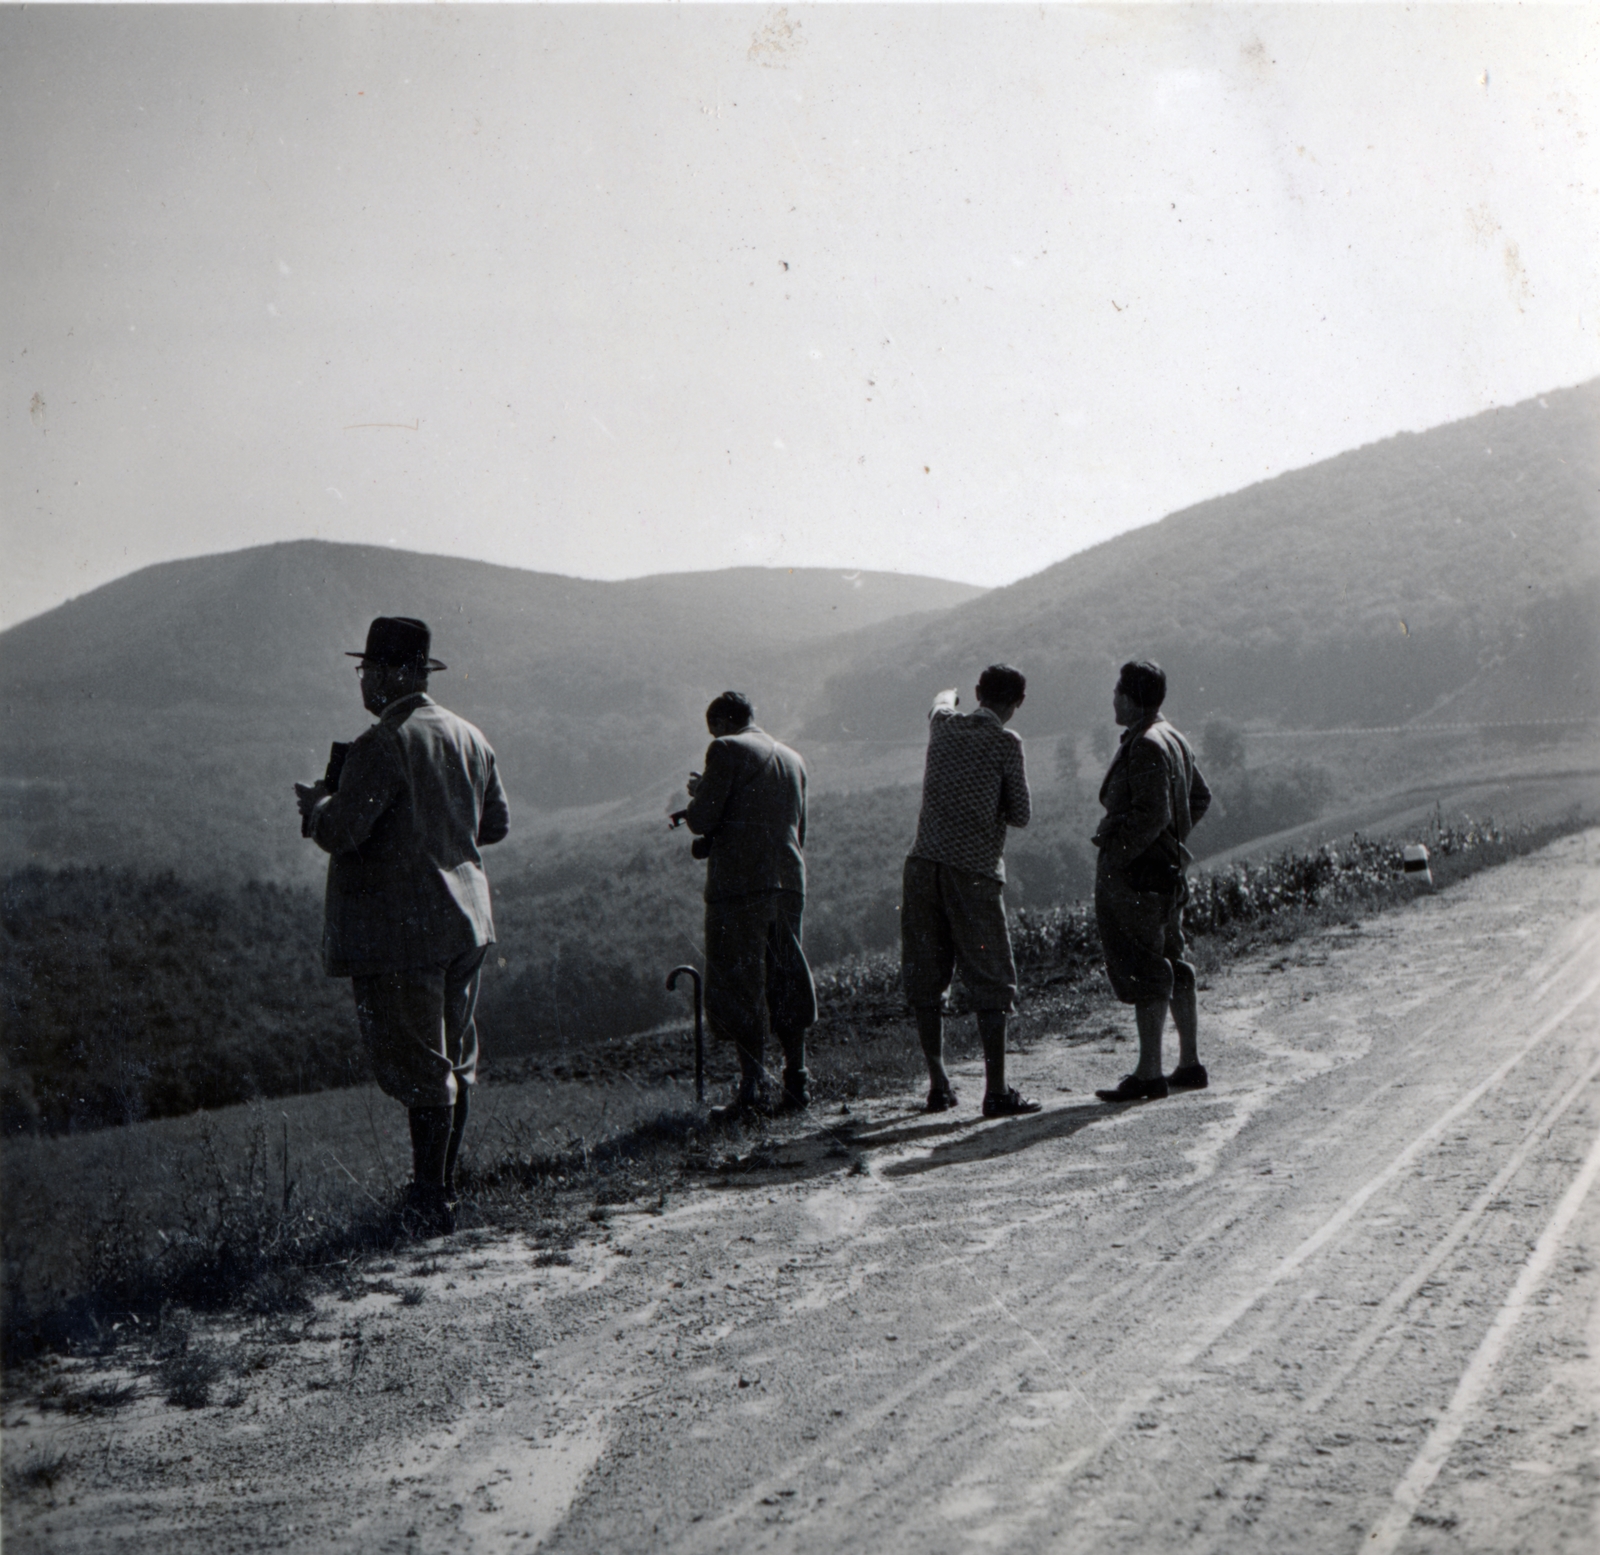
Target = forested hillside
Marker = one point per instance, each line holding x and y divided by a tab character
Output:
134	995
1371	589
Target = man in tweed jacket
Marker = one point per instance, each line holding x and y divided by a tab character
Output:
1154	794
407	914
952	907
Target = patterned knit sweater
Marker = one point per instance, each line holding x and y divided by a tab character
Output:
973	787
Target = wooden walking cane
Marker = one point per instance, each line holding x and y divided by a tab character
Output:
699	1037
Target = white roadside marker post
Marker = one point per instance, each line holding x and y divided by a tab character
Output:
1416	867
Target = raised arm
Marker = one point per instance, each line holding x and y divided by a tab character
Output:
369	784
712	792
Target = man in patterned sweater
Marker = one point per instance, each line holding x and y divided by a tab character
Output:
952	907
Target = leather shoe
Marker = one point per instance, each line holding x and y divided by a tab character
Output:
1188	1077
744	1106
1132	1088
1009	1104
941	1100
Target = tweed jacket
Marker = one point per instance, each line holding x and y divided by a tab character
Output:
1153	790
751	803
418	796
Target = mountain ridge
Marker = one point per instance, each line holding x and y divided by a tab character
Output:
1453	573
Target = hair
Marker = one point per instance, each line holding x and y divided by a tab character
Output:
1144	682
1002	684
731	707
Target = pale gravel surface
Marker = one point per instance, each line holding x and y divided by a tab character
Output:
1228	1321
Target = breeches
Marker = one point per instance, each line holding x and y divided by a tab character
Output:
419	1028
948	918
756	970
1141	933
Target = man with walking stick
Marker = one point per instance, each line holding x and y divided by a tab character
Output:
748	814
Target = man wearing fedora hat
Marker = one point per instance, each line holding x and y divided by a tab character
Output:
407	915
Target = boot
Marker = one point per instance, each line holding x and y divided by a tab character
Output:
426	1210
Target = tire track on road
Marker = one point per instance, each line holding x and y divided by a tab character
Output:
1409	1493
1552	965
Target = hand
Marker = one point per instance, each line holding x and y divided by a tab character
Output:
947	698
309	796
693	785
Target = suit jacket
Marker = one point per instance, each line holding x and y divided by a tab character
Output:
751	803
418	795
1152	788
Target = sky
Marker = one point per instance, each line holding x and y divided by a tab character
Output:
608	290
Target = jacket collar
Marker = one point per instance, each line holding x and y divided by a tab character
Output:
1134	731
398	711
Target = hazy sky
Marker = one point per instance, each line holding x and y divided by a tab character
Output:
607	290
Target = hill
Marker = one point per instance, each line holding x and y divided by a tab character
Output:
162	719
1453	573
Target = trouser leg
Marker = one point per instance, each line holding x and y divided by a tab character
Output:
402	1021
1151	1019
930	1032
992	1033
1185	1012
1186	1017
791	994
430	1144
735	991
462	978
458	1127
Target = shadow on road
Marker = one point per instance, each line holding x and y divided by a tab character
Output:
999	1138
846	1143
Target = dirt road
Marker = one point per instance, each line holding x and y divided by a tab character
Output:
1344	1300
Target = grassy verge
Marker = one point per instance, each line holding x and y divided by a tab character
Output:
106	1249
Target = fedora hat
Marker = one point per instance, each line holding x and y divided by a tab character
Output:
398	640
